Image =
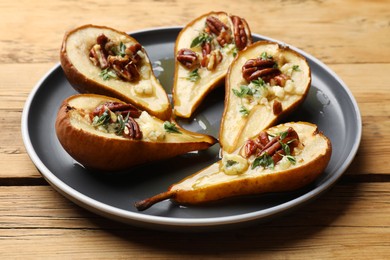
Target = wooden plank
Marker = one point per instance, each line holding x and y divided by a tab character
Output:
341	35
349	221
373	96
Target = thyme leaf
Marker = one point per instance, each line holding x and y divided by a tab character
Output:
265	56
121	124
200	39
193	76
283	134
107	74
285	148
171	127
235	51
259	82
103	119
296	68
244	111
122	49
264	160
243	92
291	159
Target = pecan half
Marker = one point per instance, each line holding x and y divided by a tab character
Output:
187	58
118	108
215	25
240	36
132	130
251	146
272	147
260	68
221	30
124	109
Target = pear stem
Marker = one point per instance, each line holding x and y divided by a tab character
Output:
147	203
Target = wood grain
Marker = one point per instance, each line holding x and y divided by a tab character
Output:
350	221
334	37
334	226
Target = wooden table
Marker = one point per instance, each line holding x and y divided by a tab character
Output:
350	221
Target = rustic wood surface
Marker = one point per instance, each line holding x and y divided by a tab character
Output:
350	221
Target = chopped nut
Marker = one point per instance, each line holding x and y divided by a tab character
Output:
212	60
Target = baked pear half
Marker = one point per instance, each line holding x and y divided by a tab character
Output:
265	82
107	134
204	50
283	158
102	60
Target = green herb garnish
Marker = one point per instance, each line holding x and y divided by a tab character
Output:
283	134
107	74
263	160
200	39
122	49
287	151
259	83
119	49
103	119
291	159
193	76
171	127
235	51
244	91
230	163
121	124
296	68
244	111
285	148
265	56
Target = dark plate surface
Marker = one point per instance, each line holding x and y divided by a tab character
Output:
329	104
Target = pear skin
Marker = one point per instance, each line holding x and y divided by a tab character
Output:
98	148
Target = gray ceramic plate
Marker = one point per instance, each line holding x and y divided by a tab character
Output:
329	104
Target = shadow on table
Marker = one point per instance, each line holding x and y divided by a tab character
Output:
286	231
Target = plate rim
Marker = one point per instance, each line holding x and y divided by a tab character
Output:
138	218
